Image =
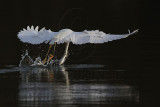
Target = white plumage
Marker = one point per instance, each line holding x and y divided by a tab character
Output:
33	36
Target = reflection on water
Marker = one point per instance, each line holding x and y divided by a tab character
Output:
70	85
50	86
39	86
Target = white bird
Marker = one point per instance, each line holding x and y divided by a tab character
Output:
33	36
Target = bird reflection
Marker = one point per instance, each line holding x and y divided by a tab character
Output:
51	86
42	85
43	74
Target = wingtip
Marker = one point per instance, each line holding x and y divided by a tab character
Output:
32	27
43	29
28	28
37	27
129	31
134	32
24	29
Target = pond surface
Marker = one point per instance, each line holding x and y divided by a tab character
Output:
69	85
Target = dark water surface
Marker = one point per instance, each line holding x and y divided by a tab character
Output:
69	85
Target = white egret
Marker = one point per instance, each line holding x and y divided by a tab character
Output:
33	36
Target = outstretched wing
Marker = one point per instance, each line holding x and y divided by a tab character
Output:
33	36
96	37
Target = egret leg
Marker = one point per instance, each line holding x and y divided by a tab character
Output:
64	57
51	55
44	61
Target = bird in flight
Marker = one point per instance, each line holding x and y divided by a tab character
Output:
34	36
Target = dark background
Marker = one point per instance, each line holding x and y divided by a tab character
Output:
110	16
139	53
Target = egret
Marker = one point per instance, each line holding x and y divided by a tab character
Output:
34	36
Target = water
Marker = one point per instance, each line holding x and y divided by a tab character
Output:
69	85
122	73
123	77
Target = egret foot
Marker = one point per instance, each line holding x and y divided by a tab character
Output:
51	57
44	61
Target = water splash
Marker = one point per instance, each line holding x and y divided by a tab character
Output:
28	61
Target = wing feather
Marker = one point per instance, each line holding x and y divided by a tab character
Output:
34	36
96	37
